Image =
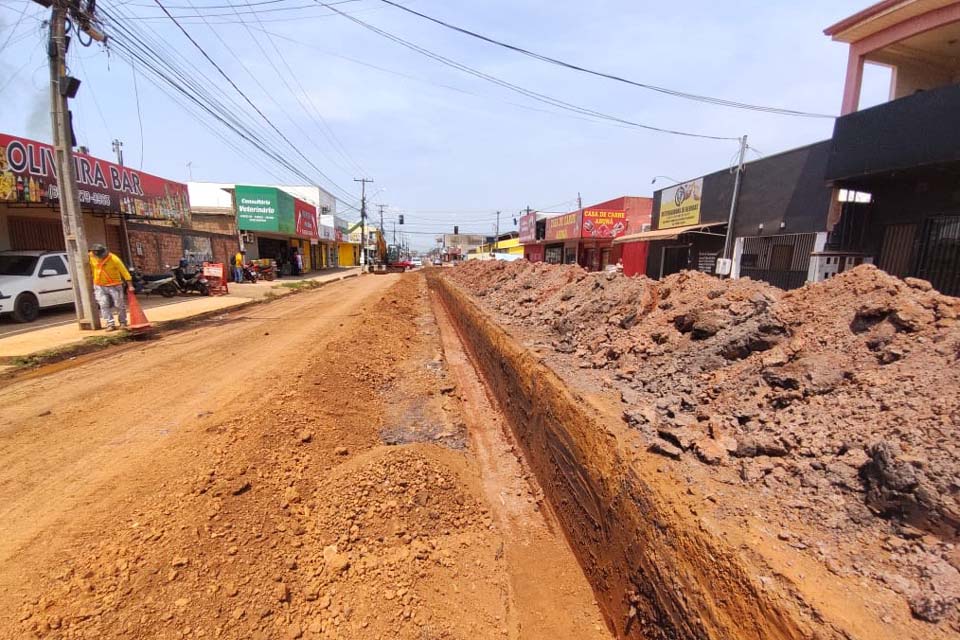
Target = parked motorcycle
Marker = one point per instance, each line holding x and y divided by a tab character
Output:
150	283
266	272
190	279
250	273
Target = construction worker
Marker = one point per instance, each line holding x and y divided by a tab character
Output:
109	276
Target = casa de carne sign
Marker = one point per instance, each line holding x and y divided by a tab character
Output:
28	175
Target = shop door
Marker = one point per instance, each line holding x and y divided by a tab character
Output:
35	234
897	249
939	260
675	260
589	257
604	258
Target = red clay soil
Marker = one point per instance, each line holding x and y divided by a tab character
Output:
313	478
833	409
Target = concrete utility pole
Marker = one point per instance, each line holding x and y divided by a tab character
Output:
733	202
124	208
363	221
496	238
74	236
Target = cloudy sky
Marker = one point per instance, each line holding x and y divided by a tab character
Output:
444	147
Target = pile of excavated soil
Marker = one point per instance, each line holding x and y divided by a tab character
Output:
837	405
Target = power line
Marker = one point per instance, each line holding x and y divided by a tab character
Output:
221	6
247	98
136	93
516	88
609	76
335	142
139	49
140	46
16	25
197	11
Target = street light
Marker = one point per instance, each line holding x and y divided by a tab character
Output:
673	180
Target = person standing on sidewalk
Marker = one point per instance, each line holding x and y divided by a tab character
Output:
109	276
238	266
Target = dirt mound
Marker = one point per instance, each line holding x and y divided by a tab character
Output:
284	515
838	403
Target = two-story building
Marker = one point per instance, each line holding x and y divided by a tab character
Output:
901	160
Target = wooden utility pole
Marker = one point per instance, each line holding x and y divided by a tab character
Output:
74	235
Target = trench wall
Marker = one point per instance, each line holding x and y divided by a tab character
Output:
654	570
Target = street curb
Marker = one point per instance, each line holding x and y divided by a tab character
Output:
37	359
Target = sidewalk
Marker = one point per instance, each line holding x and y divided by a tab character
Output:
58	334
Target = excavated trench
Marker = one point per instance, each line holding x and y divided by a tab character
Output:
656	571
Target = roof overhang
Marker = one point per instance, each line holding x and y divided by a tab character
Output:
665	234
880	16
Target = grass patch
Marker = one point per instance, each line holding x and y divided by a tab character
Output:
300	285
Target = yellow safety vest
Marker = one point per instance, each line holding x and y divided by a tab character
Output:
109	272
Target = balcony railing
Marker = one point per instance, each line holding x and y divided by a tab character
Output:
911	132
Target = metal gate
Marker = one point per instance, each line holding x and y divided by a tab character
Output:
781	260
939	256
897	250
35	234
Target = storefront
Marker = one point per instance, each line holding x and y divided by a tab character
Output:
603	223
562	239
275	225
111	198
327	248
586	237
348	254
684	235
533	229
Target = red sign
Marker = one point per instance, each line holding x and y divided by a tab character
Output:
28	174
528	228
565	227
306	219
603	224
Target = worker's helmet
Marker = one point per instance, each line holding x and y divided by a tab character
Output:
99	250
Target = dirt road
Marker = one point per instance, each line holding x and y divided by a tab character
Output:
313	467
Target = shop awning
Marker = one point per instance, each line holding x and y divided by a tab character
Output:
664	234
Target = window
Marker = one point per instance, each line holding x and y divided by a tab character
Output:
859	197
14	265
55	263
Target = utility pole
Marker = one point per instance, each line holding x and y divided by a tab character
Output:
363	221
75	238
733	202
382	235
496	238
124	208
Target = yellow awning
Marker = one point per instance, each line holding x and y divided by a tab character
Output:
664	234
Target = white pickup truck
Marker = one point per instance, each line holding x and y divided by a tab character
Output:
33	280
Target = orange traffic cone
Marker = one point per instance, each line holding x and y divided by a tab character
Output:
138	319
